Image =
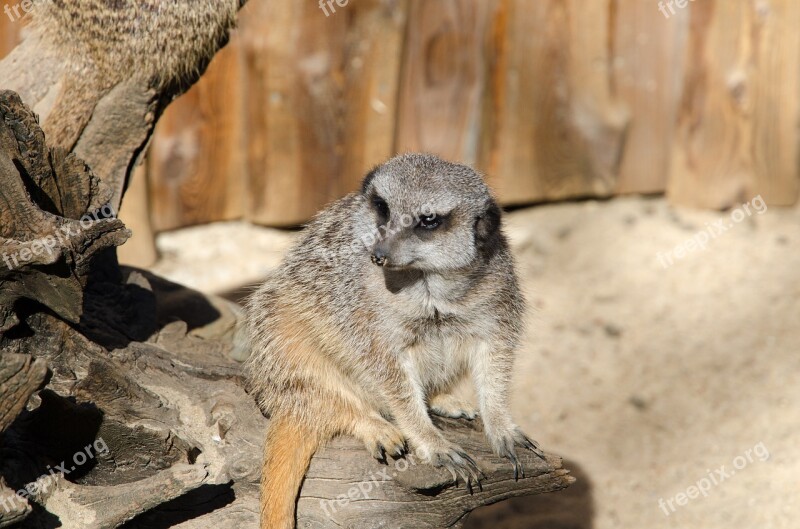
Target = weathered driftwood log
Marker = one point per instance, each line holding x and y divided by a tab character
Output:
52	219
109	123
115	137
343	488
20	377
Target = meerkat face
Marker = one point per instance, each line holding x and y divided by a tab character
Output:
430	215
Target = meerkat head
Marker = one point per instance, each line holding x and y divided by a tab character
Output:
430	215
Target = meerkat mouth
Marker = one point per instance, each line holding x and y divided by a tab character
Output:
397	267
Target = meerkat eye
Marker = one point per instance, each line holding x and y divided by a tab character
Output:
381	206
429	222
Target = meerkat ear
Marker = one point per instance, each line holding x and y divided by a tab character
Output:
487	228
368	180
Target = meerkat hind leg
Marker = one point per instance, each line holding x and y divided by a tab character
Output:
449	405
345	412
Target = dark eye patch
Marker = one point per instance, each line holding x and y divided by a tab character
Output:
429	222
432	222
380	206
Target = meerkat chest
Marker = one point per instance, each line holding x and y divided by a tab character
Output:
434	300
439	328
441	347
437	359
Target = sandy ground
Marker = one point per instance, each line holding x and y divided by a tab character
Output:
652	380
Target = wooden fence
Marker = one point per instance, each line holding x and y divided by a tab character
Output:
552	99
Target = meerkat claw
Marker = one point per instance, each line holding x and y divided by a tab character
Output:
460	464
531	445
519	470
509	453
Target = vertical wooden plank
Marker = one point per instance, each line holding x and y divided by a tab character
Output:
443	78
648	56
709	160
552	128
322	100
776	102
9	33
140	249
282	184
373	59
738	131
196	165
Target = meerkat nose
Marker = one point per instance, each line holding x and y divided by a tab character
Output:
379	258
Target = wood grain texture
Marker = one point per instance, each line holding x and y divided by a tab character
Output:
776	105
51	219
737	129
9	33
197	170
552	128
20	377
443	78
647	59
321	101
140	250
407	493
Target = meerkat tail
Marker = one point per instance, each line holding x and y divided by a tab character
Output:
287	453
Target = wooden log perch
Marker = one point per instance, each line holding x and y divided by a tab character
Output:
111	506
113	137
20	377
13	509
144	421
51	210
175	403
343	488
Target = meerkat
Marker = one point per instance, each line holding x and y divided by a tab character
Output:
103	42
392	296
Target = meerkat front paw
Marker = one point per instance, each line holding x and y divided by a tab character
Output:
503	443
447	405
380	437
453	458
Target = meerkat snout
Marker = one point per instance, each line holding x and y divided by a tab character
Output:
379	257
